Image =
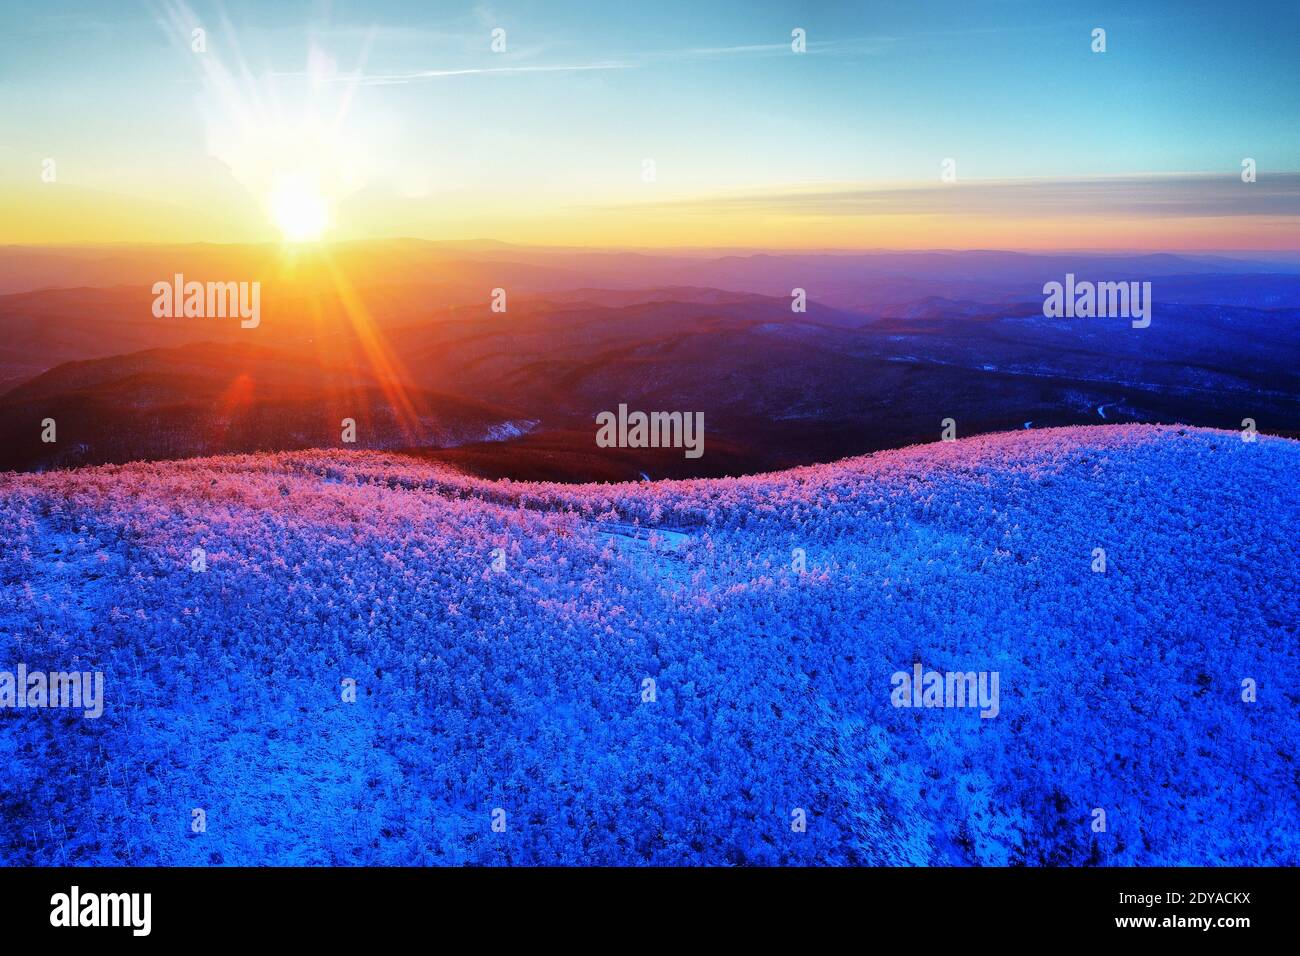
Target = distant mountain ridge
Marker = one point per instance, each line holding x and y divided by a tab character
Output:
888	347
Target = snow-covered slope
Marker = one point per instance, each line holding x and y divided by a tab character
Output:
769	612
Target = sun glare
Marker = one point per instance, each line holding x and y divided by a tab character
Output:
299	209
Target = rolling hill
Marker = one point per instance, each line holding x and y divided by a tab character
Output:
501	635
206	398
777	388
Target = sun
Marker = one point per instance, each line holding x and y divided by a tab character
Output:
299	208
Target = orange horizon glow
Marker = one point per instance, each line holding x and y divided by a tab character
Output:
288	128
110	220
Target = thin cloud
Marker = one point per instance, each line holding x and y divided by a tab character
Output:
847	47
863	46
392	79
1177	195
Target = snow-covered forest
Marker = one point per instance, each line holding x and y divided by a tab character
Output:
663	672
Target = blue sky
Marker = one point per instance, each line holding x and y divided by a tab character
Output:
585	92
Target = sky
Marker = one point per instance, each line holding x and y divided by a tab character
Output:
648	125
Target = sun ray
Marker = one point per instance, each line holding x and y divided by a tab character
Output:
290	147
391	376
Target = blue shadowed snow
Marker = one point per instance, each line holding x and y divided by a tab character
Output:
522	688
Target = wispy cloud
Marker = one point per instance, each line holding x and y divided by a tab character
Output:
389	79
861	46
848	46
1175	195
